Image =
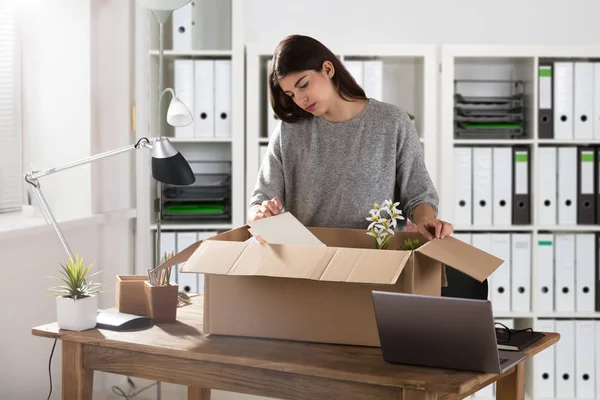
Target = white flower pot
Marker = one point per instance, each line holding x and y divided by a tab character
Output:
76	315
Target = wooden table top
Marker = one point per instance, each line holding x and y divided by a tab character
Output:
184	339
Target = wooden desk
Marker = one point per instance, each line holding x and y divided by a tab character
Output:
179	353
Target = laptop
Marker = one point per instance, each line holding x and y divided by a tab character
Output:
442	332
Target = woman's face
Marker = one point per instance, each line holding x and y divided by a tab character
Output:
311	90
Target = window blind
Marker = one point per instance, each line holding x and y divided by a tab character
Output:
11	153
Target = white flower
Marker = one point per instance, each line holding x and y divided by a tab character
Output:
383	220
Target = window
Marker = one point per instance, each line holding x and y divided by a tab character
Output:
11	153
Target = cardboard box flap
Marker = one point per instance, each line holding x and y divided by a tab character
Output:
459	255
304	262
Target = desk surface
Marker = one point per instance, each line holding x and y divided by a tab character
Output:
184	340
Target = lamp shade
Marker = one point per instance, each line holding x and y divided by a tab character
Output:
163	5
178	114
168	165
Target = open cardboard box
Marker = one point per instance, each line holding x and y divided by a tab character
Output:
317	294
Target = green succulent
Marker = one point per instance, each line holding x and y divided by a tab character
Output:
410	244
77	283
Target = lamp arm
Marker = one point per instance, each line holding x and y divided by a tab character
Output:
32	178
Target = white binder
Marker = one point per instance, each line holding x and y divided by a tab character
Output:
545	273
567	185
187	281
373	79
597	356
204	99
223	98
585	272
521	272
482	186
544	365
597	100
272	119
356	68
563	100
584	359
463	186
565	359
184	89
168	246
583	100
564	271
502	185
182	27
499	281
547	199
201	235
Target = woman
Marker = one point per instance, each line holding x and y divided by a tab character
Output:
335	152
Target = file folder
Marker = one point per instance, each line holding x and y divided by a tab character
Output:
545	98
223	98
204	99
545	273
188	282
355	68
500	281
567	185
544	364
583	100
597	272
482	186
182	20
564	271
565	359
585	272
502	182
547	199
584	359
521	186
373	79
597	170
597	357
185	88
597	100
463	186
521	272
586	182
271	118
563	100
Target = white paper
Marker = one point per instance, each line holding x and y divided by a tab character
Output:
284	229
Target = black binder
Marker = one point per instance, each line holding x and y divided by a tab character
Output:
521	212
545	103
586	186
597	169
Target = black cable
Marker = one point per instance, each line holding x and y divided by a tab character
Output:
50	369
119	392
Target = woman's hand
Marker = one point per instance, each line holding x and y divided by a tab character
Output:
268	208
433	227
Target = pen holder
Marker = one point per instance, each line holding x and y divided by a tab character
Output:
130	295
161	302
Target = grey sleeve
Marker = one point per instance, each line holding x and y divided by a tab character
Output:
269	182
415	184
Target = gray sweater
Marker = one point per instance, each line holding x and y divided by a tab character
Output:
330	174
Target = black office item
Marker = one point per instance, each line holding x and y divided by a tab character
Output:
521	178
117	321
586	182
515	340
545	99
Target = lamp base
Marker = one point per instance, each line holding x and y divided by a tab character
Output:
116	321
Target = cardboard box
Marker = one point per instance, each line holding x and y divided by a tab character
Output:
317	294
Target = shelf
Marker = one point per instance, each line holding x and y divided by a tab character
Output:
573	142
190	227
193	53
495	228
201	140
569	228
492	142
570	315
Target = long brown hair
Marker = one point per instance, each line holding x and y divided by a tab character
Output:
301	53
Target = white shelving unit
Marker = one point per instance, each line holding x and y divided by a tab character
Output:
410	75
508	62
226	42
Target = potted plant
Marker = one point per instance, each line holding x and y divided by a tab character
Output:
383	221
76	301
28	208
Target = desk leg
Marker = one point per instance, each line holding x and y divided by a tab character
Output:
77	382
512	387
416	394
196	393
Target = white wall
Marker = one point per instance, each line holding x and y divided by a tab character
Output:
426	21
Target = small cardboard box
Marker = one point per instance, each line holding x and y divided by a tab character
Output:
317	294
